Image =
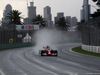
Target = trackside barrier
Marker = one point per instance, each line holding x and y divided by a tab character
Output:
15	45
95	49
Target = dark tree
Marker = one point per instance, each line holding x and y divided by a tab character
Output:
97	13
39	20
0	23
94	0
62	24
14	17
98	2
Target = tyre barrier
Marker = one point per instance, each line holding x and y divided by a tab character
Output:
95	49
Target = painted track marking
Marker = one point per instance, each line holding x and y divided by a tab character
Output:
1	72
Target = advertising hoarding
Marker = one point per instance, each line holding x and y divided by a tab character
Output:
27	27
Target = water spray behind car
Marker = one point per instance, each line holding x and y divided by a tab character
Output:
45	37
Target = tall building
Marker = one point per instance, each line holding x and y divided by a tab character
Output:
48	16
31	13
59	15
68	20
85	12
8	8
73	21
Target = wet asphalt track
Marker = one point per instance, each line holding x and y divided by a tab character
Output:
23	61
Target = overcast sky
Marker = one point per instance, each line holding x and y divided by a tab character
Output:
69	7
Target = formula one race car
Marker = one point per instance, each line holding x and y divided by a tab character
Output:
48	52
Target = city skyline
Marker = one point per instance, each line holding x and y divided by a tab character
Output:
56	6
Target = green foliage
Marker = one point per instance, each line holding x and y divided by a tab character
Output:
39	20
98	2
94	0
79	25
80	50
96	14
82	21
62	24
14	17
0	23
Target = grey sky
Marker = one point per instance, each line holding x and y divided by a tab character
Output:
69	7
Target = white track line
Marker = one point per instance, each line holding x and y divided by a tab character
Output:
77	63
22	72
1	72
92	73
65	61
45	70
55	68
81	54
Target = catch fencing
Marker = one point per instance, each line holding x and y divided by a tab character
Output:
14	38
91	35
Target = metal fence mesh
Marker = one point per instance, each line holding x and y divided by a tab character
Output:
8	36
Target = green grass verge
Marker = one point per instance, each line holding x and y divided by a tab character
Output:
80	50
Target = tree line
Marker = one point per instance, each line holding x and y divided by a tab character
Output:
15	17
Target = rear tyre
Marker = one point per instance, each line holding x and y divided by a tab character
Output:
41	53
56	53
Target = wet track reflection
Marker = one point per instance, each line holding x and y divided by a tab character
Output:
23	61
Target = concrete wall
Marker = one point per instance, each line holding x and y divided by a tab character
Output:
15	45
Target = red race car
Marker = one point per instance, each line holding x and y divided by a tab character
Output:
48	52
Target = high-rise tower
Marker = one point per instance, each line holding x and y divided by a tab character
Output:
8	8
48	16
85	12
31	13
